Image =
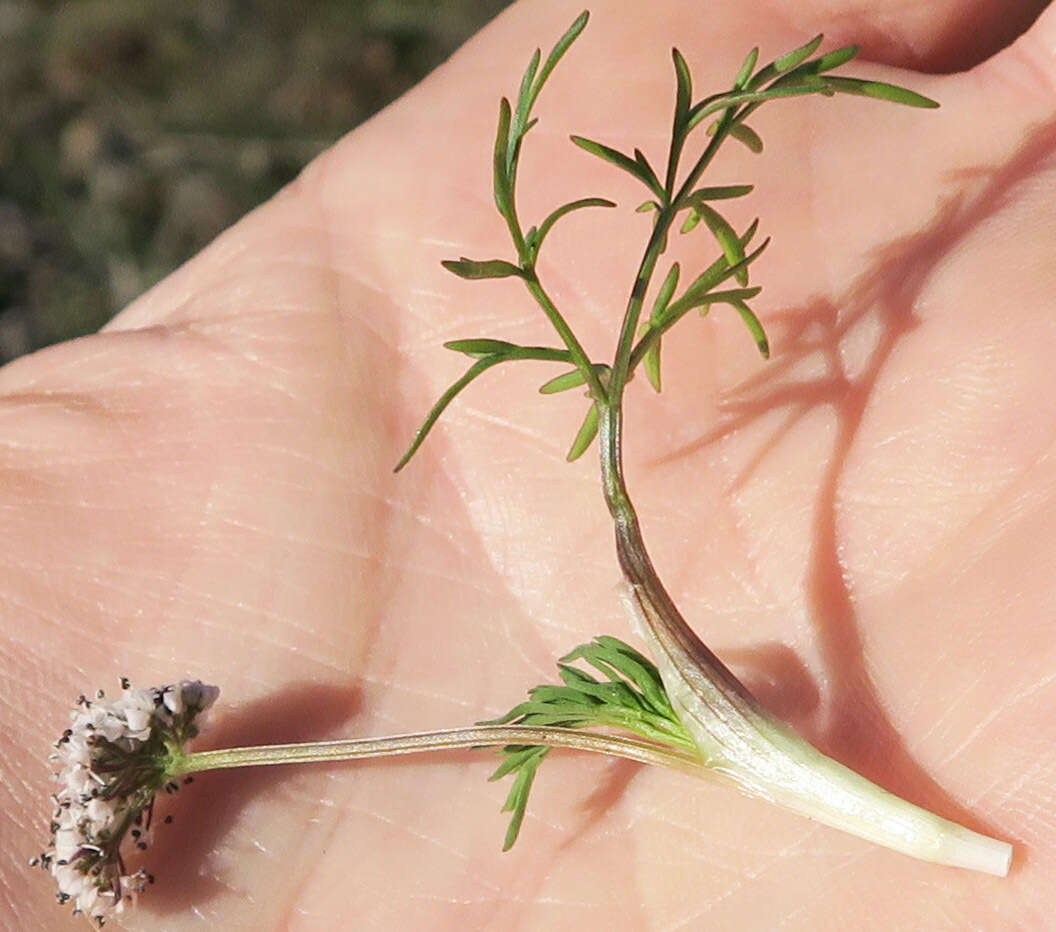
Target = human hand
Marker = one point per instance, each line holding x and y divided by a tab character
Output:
859	525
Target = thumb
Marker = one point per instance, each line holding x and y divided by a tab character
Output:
1028	65
944	36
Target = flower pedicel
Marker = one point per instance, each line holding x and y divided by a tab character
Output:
686	710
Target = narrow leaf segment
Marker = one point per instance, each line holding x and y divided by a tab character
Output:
629	695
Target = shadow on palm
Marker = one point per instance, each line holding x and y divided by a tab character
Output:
852	725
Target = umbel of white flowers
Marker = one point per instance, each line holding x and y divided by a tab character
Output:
113	759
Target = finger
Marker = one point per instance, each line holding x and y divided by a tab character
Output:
1029	64
944	36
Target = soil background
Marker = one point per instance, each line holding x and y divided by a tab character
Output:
132	132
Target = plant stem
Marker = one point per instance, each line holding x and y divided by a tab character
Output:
735	735
478	736
742	742
575	348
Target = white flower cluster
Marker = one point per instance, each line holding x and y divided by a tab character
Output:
113	759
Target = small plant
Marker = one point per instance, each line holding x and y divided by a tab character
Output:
682	709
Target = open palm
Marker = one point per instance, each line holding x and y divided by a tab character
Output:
863	527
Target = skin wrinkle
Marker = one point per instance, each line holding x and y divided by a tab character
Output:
447	620
987	198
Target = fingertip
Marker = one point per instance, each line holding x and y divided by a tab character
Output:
1030	61
1038	46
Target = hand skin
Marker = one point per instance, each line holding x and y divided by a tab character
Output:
864	525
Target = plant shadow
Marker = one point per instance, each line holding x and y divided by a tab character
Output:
855	728
204	812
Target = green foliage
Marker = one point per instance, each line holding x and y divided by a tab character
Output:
728	240
794	74
588	430
573	379
489	353
747	136
638	166
660	304
490	268
478	349
747	68
535	241
629	695
881	91
721	193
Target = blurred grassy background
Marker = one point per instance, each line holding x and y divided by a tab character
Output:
134	131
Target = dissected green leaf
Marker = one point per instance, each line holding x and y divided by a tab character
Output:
517	801
666	290
480	347
571	379
503	195
651	362
524	95
565	209
721	192
445	399
475	269
684	91
631	697
741	81
641	671
520	124
784	63
881	91
789	61
654	181
557	52
809	84
514	758
754	327
531	84
748	136
504	352
614	658
714	275
616	694
642	173
727	238
563	383
832	59
587	432
646	206
724	297
691	222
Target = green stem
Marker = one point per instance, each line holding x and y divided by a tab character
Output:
741	742
476	737
535	287
666	621
575	348
655	247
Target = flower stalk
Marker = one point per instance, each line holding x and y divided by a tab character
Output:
474	737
